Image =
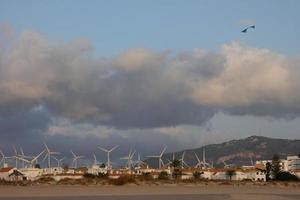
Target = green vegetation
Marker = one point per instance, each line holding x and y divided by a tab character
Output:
230	173
286	176
176	163
197	175
163	175
268	171
177	172
276	168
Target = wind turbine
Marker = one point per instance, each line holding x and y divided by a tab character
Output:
75	159
16	157
204	160
160	161
48	155
199	162
139	162
95	160
58	161
171	161
108	151
129	159
251	160
3	160
225	165
182	161
34	160
23	156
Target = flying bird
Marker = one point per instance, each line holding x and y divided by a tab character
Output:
246	29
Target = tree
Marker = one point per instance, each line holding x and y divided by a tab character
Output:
102	165
163	175
38	166
268	170
176	163
276	168
230	173
177	172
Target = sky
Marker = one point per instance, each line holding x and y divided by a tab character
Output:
145	74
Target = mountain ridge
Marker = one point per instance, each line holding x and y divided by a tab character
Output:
237	152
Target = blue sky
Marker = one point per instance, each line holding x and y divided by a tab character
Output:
113	28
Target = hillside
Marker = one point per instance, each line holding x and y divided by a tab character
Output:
238	152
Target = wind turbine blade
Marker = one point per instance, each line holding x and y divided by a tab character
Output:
22	152
15	150
54	153
2	154
197	157
182	157
55	158
73	153
114	148
45	157
105	150
38	156
163	151
48	150
185	164
132	155
25	160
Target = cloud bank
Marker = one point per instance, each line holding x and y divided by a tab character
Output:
44	83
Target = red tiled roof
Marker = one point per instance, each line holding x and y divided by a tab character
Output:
6	169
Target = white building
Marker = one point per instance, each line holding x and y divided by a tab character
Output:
96	169
293	163
32	173
11	174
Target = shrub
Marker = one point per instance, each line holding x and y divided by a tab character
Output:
163	175
197	175
89	176
102	175
230	173
122	180
286	176
46	179
177	173
146	177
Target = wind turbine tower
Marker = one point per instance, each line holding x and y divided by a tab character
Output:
48	155
159	157
108	151
75	159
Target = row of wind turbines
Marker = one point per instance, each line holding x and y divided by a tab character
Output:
32	161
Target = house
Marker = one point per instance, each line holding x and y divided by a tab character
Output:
96	169
5	172
293	163
11	174
16	176
32	173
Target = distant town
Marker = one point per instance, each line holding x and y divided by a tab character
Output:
29	168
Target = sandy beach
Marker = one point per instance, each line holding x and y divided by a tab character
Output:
161	192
